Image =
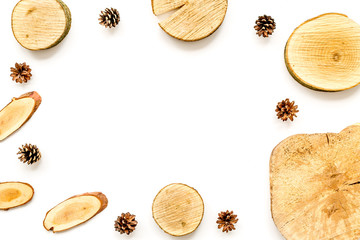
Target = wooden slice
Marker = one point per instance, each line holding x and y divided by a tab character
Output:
75	211
194	19
315	186
323	53
14	194
40	24
178	209
17	113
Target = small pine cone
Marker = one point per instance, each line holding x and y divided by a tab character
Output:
21	73
286	110
109	18
125	223
29	154
265	26
226	221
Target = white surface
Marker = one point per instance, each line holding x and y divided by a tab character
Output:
129	110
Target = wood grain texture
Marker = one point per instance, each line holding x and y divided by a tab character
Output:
74	211
40	24
323	53
193	19
14	115
315	186
15	194
178	209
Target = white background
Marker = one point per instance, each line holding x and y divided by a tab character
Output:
129	110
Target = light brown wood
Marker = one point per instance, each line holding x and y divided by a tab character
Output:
193	19
323	53
17	113
178	209
15	194
40	24
75	211
315	186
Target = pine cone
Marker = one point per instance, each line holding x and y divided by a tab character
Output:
286	110
226	221
21	73
125	223
110	17
29	154
265	26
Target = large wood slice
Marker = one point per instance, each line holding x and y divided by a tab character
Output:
323	53
40	24
75	211
17	113
315	186
193	19
178	209
15	194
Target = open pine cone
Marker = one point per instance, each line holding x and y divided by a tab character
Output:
286	110
21	73
109	18
125	223
265	26
226	221
29	154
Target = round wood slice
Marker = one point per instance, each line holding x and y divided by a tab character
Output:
193	20
40	24
315	186
178	209
323	53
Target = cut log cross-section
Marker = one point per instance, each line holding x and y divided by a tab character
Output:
14	194
323	53
193	19
75	211
178	209
315	186
40	24
17	113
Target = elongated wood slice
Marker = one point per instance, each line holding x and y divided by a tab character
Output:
40	24
323	53
315	186
194	19
14	194
178	209
17	113
74	211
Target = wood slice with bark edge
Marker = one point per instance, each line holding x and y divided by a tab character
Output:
315	185
74	211
17	113
39	25
323	53
178	209
15	194
193	19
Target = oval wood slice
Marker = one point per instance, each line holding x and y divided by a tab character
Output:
178	209
323	53
15	194
17	113
40	24
193	19
315	186
75	211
